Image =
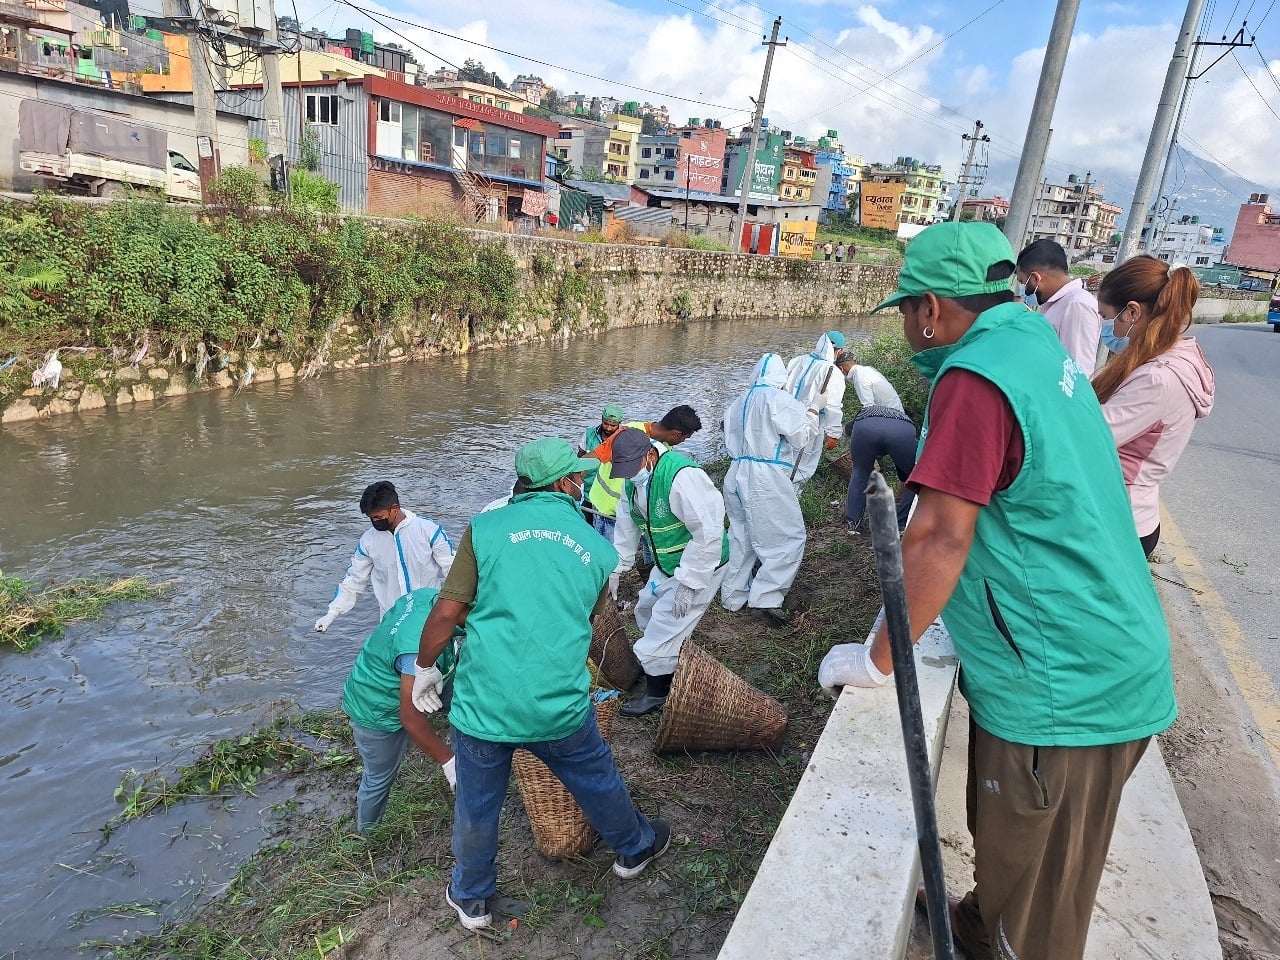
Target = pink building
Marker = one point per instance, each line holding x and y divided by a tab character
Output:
1255	243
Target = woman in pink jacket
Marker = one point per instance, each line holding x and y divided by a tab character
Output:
1157	384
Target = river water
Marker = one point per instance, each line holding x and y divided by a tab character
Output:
249	502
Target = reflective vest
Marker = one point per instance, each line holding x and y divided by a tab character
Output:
667	535
605	492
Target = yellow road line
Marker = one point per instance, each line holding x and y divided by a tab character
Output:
1255	684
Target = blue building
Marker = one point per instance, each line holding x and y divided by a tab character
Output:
838	176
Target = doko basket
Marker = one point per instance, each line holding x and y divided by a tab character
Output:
712	708
611	649
560	828
843	464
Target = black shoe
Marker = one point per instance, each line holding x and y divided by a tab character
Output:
776	616
630	867
474	914
641	706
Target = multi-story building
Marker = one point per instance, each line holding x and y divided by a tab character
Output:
766	178
1188	241
533	89
1255	242
689	158
924	188
838	176
622	149
987	209
608	148
799	172
481	93
1073	214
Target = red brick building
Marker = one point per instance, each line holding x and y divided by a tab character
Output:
1255	242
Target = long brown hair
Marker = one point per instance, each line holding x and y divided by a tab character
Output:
1169	296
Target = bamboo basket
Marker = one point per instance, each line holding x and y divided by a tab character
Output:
560	828
611	649
712	708
843	464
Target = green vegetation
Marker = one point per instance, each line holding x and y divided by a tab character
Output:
891	355
679	239
1258	317
28	616
312	191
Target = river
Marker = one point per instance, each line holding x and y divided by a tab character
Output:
249	503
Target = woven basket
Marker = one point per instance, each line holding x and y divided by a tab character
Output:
560	828
611	649
843	464
712	708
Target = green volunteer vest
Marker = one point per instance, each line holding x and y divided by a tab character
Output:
522	674
667	536
605	492
371	695
1061	637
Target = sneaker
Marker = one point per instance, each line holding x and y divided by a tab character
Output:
630	867
855	528
777	616
474	914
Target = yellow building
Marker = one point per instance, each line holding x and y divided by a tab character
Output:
622	149
316	65
925	188
482	93
799	173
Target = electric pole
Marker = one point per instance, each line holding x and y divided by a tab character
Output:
1174	80
1037	141
748	171
273	100
965	176
205	100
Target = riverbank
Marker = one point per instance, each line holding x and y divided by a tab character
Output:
316	886
141	301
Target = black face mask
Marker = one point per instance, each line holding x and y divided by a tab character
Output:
382	526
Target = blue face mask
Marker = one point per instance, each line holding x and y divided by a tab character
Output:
1109	339
642	476
1029	296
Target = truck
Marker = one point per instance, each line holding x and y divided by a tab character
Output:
101	154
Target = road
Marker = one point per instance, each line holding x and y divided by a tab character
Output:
1224	495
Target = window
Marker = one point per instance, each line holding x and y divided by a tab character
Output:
646	152
1202	261
670	174
388	111
475	99
503	105
644	173
322	108
513	149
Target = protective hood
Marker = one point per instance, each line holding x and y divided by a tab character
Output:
769	371
1188	364
823	349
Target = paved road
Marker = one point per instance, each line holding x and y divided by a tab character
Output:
1224	494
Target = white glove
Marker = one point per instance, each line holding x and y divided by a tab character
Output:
613	586
324	622
451	778
427	683
849	665
683	601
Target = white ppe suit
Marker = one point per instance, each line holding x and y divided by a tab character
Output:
417	554
697	504
764	430
812	378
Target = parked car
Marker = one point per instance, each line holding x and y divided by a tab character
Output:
1273	314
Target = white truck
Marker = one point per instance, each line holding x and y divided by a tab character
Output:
99	153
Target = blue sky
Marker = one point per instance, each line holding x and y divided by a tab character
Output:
704	58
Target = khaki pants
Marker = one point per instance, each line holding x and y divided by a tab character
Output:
1041	819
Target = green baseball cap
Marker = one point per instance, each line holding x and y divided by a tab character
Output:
954	260
547	460
612	413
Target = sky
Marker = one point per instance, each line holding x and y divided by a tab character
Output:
948	64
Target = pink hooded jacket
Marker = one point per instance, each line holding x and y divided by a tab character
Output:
1151	417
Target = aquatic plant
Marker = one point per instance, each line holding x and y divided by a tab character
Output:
28	616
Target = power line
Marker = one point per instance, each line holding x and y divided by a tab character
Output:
1219	162
1196	160
1245	73
751	29
1266	65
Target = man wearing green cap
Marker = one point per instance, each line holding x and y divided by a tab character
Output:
525	580
1023	542
593	436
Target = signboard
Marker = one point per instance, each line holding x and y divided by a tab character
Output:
702	161
797	239
881	203
768	168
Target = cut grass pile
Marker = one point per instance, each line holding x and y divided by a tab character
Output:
28	616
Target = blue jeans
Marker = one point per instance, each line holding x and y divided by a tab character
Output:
584	764
381	753
872	438
604	526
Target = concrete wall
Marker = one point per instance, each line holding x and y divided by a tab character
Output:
1213	309
233	131
565	288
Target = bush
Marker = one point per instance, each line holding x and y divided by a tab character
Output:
891	355
312	191
236	188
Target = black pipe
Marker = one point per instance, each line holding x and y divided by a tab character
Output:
884	537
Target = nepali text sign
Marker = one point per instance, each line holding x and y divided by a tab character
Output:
881	203
797	239
767	172
702	160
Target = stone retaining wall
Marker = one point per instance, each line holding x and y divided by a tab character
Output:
566	288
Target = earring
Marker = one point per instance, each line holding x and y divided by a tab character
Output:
928	333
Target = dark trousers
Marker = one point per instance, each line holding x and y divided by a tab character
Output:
1041	819
872	438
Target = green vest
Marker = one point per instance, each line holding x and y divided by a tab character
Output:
371	695
522	674
666	534
605	492
590	440
1060	634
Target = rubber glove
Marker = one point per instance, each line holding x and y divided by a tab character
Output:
451	778
849	665
683	601
427	683
831	443
613	586
324	622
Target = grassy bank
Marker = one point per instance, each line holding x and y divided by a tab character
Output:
28	615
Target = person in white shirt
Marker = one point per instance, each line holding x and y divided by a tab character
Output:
880	429
869	384
401	553
1071	310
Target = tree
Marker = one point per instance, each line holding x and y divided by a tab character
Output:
649	125
477	72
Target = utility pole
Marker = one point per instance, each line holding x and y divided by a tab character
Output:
273	101
686	190
186	14
1174	80
1037	141
978	136
740	221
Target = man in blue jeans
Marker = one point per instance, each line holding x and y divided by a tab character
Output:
526	580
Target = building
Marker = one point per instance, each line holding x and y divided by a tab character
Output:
608	148
1188	242
480	93
987	209
923	197
799	173
766	178
838	176
533	89
690	157
1073	214
713	214
622	150
1255	242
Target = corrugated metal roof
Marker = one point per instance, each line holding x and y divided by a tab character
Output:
699	196
655	215
607	191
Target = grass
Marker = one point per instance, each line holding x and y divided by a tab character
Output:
1245	317
28	616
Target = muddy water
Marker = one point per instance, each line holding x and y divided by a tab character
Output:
249	503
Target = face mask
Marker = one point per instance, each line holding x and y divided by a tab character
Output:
382	526
582	492
642	476
1029	295
1110	340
